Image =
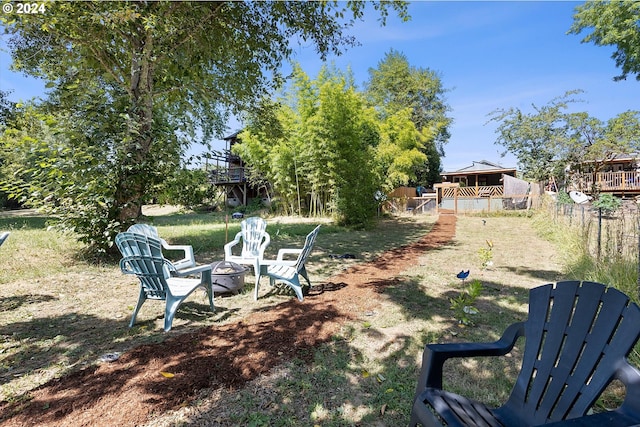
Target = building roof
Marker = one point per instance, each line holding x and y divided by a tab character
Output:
617	158
233	135
480	166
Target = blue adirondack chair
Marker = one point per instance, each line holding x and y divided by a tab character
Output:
255	239
142	257
3	237
187	261
289	271
578	337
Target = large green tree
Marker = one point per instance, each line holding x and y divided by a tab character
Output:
551	138
396	85
325	152
140	81
612	23
315	146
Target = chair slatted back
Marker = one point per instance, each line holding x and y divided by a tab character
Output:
144	229
577	334
253	233
142	256
308	246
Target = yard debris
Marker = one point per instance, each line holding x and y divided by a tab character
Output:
343	256
110	357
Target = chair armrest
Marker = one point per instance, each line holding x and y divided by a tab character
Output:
630	377
188	259
263	245
203	270
435	355
284	252
125	267
193	270
228	246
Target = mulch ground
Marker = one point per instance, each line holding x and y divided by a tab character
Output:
127	391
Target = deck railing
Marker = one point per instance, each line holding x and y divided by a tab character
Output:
223	175
473	192
607	181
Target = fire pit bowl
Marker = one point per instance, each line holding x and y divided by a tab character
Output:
227	276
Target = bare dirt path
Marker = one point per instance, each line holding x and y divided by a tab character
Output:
130	390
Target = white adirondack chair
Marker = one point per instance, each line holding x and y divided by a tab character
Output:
288	271
142	256
255	239
188	261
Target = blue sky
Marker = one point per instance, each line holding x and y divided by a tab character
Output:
489	55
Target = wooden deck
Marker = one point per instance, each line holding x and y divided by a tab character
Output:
222	176
607	182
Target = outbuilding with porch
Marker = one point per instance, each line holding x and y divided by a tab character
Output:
483	186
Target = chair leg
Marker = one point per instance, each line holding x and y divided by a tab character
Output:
256	272
303	273
208	287
421	415
294	284
211	297
141	299
170	311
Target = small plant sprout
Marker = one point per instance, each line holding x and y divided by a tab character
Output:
486	255
463	304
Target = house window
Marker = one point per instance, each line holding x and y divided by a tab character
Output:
461	179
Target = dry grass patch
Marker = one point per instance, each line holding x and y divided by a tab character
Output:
367	374
59	312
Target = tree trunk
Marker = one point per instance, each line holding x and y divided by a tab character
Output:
133	181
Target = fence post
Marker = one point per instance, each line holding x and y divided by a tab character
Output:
599	232
571	215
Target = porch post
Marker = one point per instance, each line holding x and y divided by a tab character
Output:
455	200
477	189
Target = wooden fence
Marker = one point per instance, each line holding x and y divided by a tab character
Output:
607	234
473	192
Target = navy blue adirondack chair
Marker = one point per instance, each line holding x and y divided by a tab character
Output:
3	237
578	336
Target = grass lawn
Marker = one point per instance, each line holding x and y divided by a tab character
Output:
58	313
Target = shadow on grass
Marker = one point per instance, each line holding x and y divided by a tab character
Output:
213	356
548	276
15	222
73	337
331	239
16	301
341	380
226	356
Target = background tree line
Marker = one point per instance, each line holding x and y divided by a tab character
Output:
326	147
131	85
551	138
